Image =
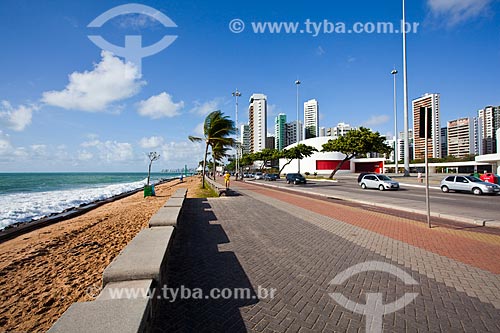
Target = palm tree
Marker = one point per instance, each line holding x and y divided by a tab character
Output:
219	151
217	130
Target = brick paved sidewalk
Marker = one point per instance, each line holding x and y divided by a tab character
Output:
267	240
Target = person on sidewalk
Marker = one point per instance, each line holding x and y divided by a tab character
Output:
227	176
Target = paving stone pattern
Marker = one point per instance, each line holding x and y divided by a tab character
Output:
254	241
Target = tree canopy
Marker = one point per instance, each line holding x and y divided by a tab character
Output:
357	143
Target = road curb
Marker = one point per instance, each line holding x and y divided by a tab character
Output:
481	222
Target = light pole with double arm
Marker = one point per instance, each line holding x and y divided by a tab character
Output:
237	94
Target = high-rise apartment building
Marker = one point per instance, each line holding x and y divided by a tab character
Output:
444	141
291	132
434	142
245	139
280	131
489	119
340	130
461	137
257	117
311	119
401	143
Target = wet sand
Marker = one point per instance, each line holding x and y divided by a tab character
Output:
43	272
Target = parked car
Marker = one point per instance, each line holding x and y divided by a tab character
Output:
489	178
381	182
295	178
271	176
468	184
259	175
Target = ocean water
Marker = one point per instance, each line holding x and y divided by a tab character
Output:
30	196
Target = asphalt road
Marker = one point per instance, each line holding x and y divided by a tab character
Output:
457	206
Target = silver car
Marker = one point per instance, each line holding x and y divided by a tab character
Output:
382	182
468	184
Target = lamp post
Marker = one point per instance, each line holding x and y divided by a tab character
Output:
405	89
297	84
237	94
396	155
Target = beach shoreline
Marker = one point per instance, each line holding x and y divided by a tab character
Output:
19	228
45	270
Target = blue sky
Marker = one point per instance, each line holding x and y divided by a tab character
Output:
67	105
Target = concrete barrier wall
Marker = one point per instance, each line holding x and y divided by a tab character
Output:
132	281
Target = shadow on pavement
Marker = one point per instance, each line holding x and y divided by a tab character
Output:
195	264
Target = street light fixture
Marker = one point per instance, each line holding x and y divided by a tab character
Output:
396	155
297	84
405	90
237	94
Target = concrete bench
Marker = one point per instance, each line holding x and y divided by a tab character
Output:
166	216
143	258
174	202
180	193
110	316
126	290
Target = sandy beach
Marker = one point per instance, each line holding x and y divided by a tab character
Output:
43	272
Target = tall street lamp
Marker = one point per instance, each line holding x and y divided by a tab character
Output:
297	84
237	94
405	89
396	155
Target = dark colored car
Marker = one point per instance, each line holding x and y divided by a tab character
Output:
361	175
295	178
271	176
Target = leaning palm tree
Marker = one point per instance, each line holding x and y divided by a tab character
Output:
217	129
219	151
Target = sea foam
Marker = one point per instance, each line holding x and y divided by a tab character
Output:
23	207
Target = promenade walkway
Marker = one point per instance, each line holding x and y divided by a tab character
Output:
267	240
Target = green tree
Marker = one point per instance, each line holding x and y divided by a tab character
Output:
298	152
217	129
266	155
356	143
247	160
219	152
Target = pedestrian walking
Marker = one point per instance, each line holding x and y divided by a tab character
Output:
227	176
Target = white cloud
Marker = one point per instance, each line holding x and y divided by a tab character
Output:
180	153
16	118
110	151
204	109
160	106
199	130
376	120
84	155
110	81
457	11
151	142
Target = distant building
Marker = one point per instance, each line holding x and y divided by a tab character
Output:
434	142
311	119
444	141
280	131
291	133
401	144
245	139
461	137
340	130
270	142
257	121
322	131
489	118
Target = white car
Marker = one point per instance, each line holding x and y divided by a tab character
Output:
381	182
468	184
259	175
